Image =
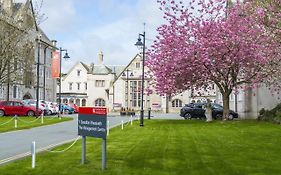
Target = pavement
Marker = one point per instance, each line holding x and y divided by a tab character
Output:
17	144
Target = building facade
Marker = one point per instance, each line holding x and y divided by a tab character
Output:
248	103
25	87
88	85
117	87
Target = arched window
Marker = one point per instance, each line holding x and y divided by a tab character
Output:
84	102
65	101
77	102
176	103
71	100
100	102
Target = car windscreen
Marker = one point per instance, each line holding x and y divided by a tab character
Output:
217	106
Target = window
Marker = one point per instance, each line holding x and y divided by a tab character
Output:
135	93
70	86
137	65
78	73
77	102
2	92
15	91
78	86
15	64
17	104
176	103
41	72
86	85
8	103
100	102
100	83
84	102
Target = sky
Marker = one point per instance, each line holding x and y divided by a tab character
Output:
86	27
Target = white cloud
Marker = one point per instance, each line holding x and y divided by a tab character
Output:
84	37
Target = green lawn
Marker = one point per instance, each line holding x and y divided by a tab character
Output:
168	148
27	122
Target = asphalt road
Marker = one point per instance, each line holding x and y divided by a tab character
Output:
17	144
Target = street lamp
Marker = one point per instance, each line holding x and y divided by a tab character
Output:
65	57
37	74
141	44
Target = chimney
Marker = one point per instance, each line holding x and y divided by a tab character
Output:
100	58
54	43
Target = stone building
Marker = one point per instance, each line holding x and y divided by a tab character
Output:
248	103
22	15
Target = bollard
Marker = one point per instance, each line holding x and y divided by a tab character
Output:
62	112
107	128
122	125
33	154
42	118
131	119
16	121
149	111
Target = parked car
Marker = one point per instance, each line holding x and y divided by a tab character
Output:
196	110
32	102
66	109
76	108
52	108
17	108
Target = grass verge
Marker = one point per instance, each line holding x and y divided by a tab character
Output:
27	122
169	147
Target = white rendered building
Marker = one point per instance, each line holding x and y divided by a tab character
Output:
117	87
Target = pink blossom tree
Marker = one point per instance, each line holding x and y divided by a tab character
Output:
204	42
269	14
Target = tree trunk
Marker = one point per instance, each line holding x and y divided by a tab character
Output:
225	105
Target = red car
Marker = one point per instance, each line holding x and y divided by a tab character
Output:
74	106
17	108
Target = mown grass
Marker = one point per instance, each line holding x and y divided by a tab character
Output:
167	147
28	122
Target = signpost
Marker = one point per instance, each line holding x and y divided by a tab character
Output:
92	122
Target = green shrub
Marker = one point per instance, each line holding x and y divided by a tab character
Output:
273	115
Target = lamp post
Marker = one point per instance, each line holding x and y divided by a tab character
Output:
65	57
37	73
140	44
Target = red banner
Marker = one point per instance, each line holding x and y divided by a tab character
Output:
56	65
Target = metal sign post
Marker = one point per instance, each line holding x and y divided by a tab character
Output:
92	121
103	154
83	150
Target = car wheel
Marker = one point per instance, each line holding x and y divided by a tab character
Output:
230	117
30	113
66	111
218	117
187	116
2	113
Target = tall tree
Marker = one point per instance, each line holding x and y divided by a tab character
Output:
200	45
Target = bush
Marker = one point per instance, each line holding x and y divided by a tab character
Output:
273	115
